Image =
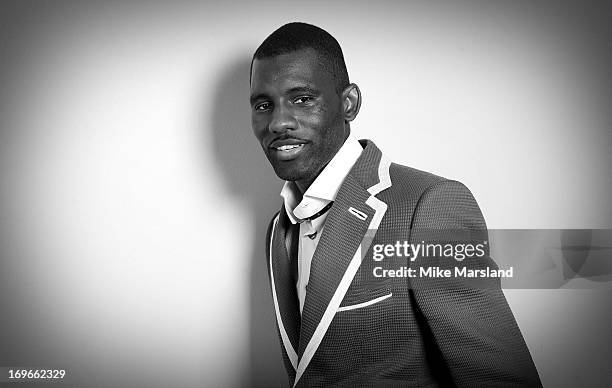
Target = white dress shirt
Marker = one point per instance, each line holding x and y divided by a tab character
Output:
321	192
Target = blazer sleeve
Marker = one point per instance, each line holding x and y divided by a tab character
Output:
470	320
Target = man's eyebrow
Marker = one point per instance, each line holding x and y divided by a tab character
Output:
258	96
303	89
294	90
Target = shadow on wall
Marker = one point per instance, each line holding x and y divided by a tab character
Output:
250	179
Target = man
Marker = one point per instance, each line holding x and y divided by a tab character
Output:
339	323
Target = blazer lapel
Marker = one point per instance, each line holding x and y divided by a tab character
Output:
349	230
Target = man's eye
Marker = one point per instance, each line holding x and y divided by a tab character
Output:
263	106
302	99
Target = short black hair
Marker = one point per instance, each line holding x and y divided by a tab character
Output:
297	36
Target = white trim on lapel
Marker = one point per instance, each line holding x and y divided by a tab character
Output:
332	308
384	179
291	353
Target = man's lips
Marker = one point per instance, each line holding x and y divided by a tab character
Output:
287	149
286	142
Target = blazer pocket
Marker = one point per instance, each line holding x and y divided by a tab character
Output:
365	304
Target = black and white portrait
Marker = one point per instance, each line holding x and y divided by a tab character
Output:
147	150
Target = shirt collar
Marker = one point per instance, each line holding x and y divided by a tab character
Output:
325	187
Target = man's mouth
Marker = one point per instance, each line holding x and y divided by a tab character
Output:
288	147
287	151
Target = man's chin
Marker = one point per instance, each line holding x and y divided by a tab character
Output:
289	174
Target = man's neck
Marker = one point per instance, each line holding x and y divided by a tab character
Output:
303	186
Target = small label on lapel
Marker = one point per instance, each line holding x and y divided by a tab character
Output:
359	214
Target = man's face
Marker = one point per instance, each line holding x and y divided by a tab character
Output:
296	114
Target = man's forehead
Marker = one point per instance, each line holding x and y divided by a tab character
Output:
297	67
294	61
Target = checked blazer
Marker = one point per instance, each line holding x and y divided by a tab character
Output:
359	330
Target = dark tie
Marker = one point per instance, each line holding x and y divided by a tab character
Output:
293	241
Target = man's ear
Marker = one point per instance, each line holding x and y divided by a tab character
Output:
351	102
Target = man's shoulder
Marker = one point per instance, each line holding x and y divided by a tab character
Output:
433	197
270	232
409	179
273	221
411	186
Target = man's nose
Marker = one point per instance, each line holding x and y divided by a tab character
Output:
282	120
